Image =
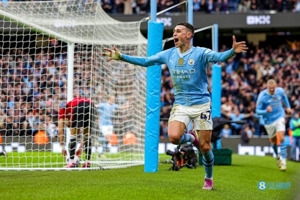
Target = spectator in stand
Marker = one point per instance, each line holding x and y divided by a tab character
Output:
107	6
118	7
226	107
144	6
237	116
297	6
295	127
244	6
203	6
226	131
9	127
246	134
196	5
50	127
128	7
210	6
31	123
221	6
254	5
267	69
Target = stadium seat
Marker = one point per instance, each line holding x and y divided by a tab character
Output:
129	139
114	139
41	138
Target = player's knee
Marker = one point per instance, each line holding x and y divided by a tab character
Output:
174	140
205	147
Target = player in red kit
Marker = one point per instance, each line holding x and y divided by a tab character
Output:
79	114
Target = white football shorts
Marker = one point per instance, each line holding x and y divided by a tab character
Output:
200	114
106	130
278	125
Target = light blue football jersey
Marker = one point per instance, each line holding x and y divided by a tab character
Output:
188	71
275	101
106	111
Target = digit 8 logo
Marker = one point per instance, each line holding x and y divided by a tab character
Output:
262	185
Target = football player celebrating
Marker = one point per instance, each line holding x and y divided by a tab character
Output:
187	65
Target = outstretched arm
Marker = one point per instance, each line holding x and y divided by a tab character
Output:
237	47
114	54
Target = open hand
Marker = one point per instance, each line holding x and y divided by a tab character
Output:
113	54
64	152
239	47
78	152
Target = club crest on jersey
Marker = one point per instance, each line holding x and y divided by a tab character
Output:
191	61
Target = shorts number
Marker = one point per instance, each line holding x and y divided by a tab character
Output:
205	115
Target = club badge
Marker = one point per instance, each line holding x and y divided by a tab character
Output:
180	61
191	61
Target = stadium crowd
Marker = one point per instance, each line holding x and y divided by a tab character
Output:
129	7
33	88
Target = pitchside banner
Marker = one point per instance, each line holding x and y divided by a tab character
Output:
234	20
257	146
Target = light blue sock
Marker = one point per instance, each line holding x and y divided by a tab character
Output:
208	163
275	149
185	138
283	150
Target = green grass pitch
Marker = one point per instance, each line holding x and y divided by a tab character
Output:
238	181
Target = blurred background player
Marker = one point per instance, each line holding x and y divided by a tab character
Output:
107	110
269	105
78	115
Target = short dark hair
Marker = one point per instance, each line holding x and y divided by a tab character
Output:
187	25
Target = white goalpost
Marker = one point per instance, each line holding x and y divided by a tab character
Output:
49	51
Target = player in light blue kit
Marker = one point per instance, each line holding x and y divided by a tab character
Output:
187	65
269	105
107	111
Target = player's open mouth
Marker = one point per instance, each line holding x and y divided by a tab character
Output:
176	41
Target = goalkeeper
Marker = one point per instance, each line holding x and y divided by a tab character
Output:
78	115
187	66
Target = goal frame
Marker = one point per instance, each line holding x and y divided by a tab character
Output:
71	43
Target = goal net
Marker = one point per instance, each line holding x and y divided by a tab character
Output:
52	50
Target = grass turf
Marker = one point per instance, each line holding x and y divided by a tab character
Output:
237	181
